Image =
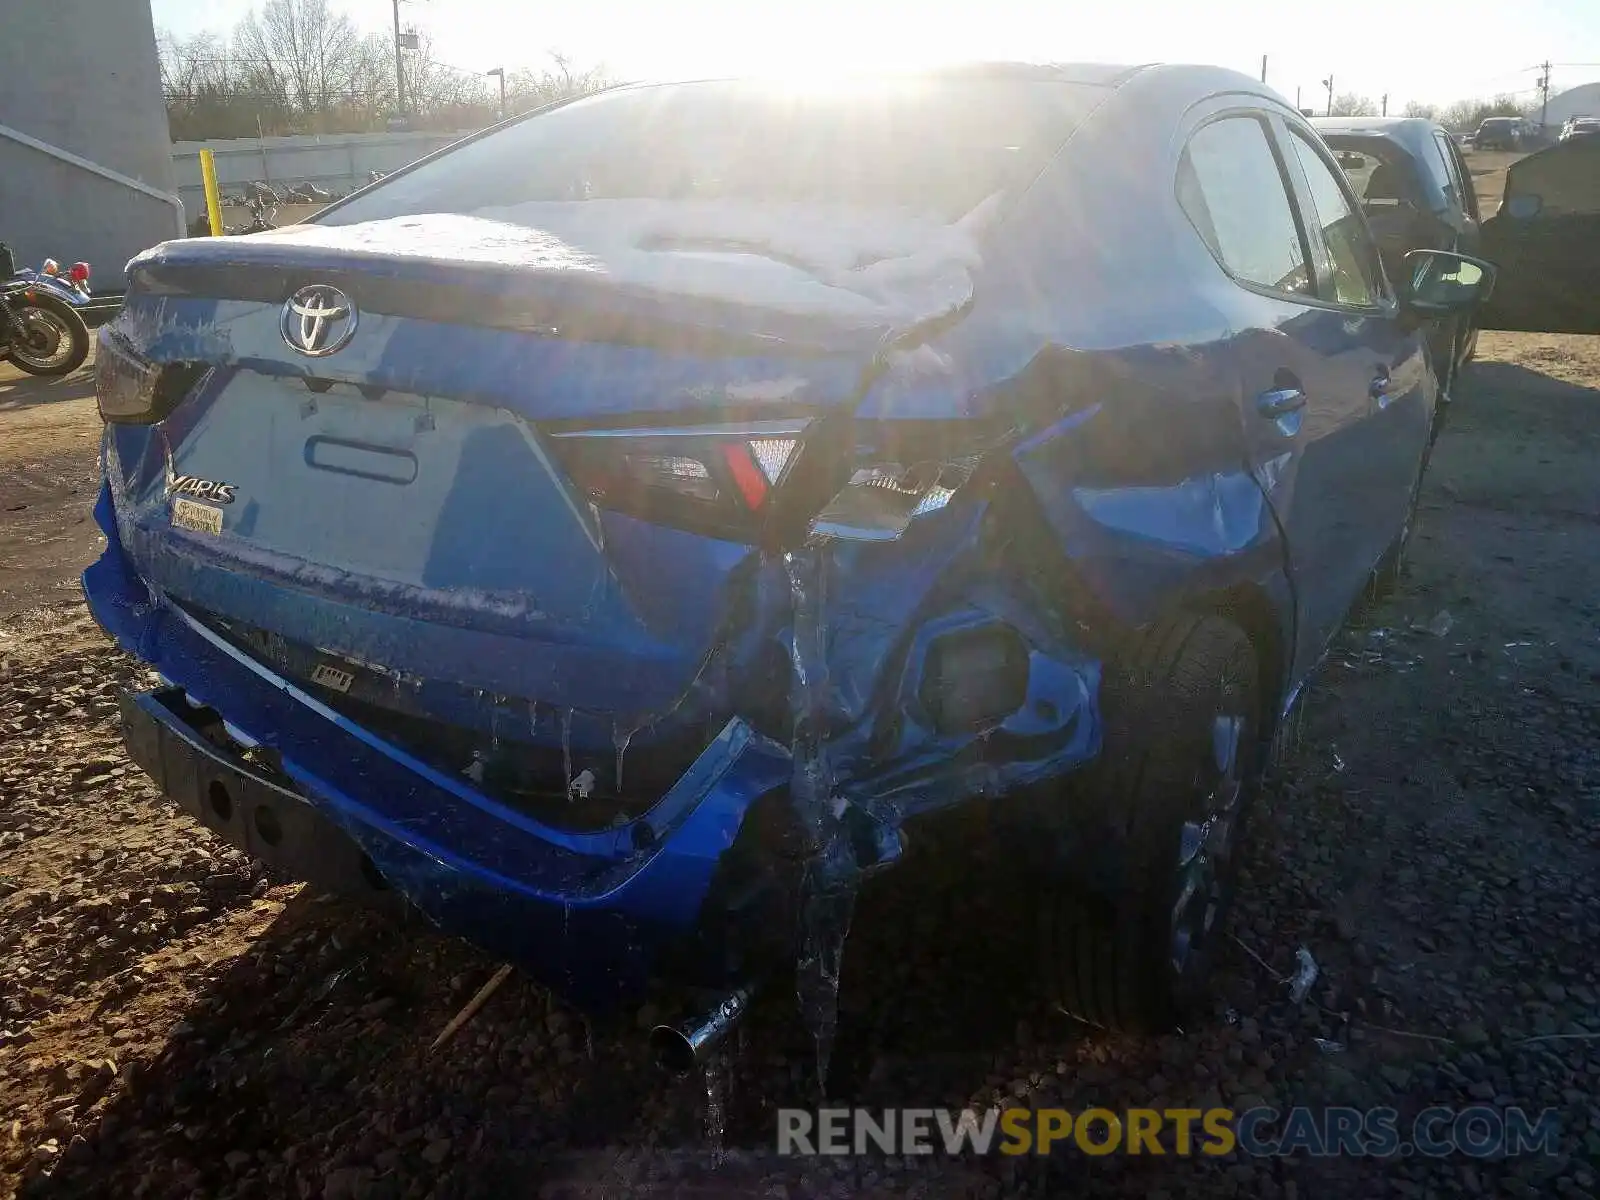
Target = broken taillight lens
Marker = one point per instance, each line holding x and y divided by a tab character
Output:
714	479
882	499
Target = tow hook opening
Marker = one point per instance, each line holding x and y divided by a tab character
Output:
218	798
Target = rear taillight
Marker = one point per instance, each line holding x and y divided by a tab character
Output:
78	272
714	479
131	391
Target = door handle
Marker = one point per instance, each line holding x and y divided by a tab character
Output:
1280	402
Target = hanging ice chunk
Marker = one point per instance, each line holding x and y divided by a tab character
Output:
1305	975
566	749
620	737
715	1077
831	877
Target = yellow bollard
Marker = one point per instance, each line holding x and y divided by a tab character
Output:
208	173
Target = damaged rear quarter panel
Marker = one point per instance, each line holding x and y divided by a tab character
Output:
1133	491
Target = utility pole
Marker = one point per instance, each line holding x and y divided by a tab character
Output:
1544	94
500	71
399	67
1328	83
1263	68
1297	98
1386	104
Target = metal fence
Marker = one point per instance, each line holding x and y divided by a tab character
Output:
336	163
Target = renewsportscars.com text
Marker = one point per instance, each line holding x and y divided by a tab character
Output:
1477	1132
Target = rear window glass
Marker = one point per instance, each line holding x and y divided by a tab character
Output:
1380	173
938	147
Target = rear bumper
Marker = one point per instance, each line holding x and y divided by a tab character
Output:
242	803
593	915
703	885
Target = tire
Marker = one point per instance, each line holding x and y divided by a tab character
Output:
1184	696
69	325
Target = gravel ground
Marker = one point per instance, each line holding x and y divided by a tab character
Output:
173	1023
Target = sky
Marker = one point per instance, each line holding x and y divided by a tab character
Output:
1434	52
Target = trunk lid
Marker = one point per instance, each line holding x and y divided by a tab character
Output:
398	501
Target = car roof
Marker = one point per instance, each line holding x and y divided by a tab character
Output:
1412	134
1169	78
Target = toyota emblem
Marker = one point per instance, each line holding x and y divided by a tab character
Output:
317	320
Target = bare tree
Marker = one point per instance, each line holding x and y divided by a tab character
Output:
434	89
188	65
1416	108
314	52
527	90
1467	115
1349	104
295	66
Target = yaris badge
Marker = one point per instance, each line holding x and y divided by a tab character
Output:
318	320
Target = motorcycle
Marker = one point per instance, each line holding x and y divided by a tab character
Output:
259	199
309	193
76	278
262	202
41	330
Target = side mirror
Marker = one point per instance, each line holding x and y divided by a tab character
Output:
1442	283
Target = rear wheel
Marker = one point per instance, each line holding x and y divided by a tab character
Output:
51	337
1176	779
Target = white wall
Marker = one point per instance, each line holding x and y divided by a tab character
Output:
1582	101
335	162
82	75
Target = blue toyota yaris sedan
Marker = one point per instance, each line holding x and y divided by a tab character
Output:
617	532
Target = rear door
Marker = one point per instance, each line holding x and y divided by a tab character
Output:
1374	354
1545	241
1306	364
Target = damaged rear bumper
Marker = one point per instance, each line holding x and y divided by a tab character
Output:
592	915
702	887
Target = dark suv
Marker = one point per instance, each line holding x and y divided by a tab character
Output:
1500	133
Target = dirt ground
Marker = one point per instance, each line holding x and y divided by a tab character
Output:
1488	168
49	441
173	1023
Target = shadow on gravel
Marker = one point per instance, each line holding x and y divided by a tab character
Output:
1486	382
19	391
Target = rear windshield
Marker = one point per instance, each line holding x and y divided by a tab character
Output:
937	147
1494	123
1380	172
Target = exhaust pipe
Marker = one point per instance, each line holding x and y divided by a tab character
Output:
681	1048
